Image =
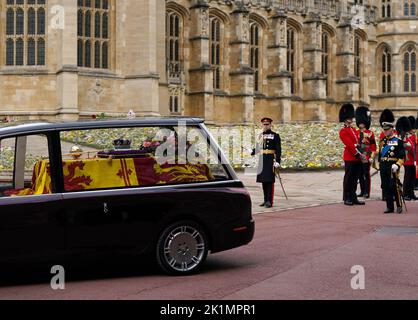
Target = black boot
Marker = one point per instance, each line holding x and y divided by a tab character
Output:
359	203
388	210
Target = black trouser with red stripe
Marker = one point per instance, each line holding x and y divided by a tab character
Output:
268	189
390	189
365	179
409	180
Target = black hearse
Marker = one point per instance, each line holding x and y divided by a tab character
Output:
159	186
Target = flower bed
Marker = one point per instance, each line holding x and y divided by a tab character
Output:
6	158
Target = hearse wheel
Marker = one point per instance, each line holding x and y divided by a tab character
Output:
182	248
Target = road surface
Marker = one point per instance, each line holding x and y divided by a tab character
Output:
296	254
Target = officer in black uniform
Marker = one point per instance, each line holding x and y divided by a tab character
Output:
269	146
391	159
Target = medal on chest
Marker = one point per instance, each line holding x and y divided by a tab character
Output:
269	137
393	143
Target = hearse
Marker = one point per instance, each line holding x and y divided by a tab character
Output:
152	187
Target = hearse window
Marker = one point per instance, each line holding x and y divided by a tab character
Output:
24	166
137	157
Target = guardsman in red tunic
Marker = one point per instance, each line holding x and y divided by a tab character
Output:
352	156
367	146
410	158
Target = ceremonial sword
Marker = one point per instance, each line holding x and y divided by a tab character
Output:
277	172
399	190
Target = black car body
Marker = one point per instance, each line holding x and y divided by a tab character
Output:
178	222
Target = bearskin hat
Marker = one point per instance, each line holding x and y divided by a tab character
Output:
346	112
413	122
403	125
363	116
387	117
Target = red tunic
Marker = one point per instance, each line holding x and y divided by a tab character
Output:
348	136
410	149
369	142
416	149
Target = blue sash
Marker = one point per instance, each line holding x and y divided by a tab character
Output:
387	147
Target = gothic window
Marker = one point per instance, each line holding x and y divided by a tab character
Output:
31	52
97	54
31	21
97	25
19	52
215	51
174	104
25	32
358	62
87	24
105	26
357	56
10	49
291	58
87	54
410	68
325	46
79	49
105	55
255	53
93	34
41	21
80	18
386	9
409	8
174	44
10	22
386	71
41	51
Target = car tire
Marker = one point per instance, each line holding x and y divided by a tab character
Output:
182	248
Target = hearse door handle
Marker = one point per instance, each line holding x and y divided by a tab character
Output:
105	208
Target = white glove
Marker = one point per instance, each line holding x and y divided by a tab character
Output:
408	144
395	168
276	165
